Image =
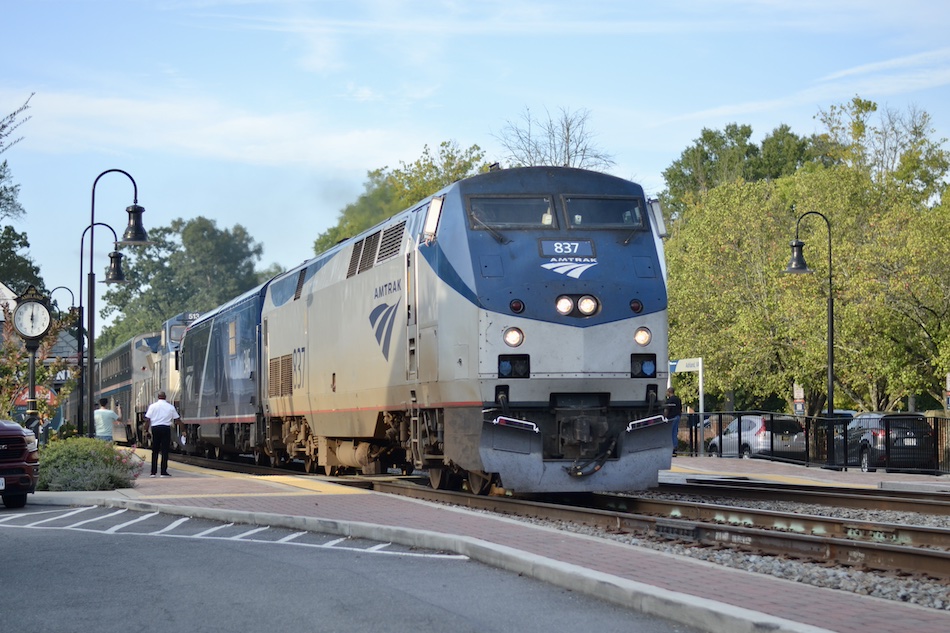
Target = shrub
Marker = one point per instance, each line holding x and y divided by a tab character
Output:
85	463
65	430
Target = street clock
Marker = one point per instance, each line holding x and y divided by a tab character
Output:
31	317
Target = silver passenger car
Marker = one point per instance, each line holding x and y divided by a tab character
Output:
769	434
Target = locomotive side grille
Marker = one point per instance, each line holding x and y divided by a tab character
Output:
273	370
354	259
281	377
286	376
369	252
391	242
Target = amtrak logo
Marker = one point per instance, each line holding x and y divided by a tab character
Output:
382	318
573	267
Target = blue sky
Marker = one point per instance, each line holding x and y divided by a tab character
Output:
270	114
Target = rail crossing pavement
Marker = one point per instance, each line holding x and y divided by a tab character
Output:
693	592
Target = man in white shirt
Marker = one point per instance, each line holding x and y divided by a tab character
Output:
160	416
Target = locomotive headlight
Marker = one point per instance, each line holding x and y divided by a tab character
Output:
564	305
643	336
513	337
587	305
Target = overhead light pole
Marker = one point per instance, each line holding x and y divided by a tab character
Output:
74	313
797	265
134	235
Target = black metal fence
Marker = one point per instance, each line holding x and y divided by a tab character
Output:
899	442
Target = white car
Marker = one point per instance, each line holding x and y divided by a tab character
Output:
769	434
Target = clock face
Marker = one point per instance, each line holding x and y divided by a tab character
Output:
31	319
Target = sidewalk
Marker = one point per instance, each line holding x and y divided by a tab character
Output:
685	590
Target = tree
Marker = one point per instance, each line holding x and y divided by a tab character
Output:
758	330
9	123
15	363
191	266
563	142
389	192
17	270
9	206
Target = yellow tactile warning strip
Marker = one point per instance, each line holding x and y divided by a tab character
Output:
242	495
315	485
784	479
306	485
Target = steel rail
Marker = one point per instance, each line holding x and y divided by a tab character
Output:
872	555
928	502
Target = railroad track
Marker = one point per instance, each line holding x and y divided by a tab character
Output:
937	503
901	549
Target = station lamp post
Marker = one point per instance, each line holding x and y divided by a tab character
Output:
134	235
74	313
797	265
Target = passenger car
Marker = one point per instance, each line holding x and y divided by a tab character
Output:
766	434
19	463
890	440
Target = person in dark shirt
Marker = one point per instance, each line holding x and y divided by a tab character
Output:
674	409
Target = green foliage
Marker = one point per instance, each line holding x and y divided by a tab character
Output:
190	266
85	463
377	202
727	156
760	331
15	364
17	269
389	192
65	431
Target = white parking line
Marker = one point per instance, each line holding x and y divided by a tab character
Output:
250	533
335	544
111	514
171	527
115	529
212	530
61	516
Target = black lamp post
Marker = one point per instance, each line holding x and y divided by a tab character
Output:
74	312
797	265
134	235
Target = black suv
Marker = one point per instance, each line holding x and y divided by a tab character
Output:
19	463
891	440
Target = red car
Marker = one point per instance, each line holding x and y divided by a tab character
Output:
19	463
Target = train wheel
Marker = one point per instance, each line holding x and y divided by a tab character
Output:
261	458
310	464
478	482
438	478
443	479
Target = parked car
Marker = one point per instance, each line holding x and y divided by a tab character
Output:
890	440
769	434
19	463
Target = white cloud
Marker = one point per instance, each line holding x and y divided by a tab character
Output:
74	123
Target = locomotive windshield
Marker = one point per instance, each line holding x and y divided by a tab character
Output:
177	332
604	213
512	213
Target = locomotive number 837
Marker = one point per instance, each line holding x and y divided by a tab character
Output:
511	329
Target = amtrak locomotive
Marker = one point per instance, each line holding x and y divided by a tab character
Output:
130	375
510	330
